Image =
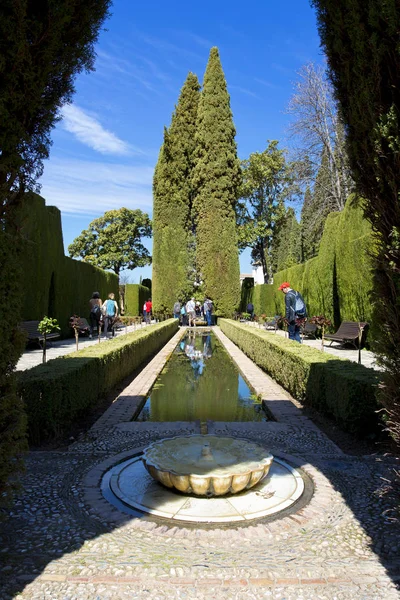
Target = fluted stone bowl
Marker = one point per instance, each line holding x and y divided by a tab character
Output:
207	465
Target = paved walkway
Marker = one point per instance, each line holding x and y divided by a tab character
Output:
64	541
33	355
368	358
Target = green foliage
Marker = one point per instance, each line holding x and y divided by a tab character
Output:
338	282
216	181
247	292
135	296
362	44
266	183
60	392
286	250
339	388
12	415
173	260
54	284
47	325
113	241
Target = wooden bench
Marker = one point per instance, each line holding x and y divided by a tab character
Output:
309	329
348	333
33	335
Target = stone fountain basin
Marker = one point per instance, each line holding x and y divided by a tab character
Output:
207	465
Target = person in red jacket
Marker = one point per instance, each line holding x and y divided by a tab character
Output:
149	307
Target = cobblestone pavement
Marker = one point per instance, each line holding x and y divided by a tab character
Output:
63	541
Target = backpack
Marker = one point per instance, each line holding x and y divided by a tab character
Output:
177	307
183	310
95	310
300	309
109	308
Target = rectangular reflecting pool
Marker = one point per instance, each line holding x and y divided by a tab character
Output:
200	381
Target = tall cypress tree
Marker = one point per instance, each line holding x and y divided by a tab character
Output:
216	180
361	40
172	191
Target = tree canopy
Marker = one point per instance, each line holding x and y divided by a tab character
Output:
113	241
267	182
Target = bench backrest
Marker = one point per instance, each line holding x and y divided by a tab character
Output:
310	327
350	329
31	328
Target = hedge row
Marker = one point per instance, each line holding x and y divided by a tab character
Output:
336	387
59	392
55	285
337	283
135	296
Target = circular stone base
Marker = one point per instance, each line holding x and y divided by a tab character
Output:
130	488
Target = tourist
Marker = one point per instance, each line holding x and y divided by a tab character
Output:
149	307
144	312
295	310
250	310
183	319
95	304
177	309
110	312
191	312
207	308
198	310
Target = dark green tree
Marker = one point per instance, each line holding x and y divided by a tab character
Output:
286	250
267	181
173	237
362	43
316	207
114	241
43	46
216	180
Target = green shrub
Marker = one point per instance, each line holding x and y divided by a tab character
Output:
246	292
58	393
135	296
337	387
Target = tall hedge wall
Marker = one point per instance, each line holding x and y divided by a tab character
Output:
54	284
336	283
135	296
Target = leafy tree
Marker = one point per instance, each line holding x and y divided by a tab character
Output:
267	181
316	207
173	261
47	325
113	241
216	181
362	44
43	46
286	250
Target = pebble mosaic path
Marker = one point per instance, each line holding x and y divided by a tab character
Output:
63	541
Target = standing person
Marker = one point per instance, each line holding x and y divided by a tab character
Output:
250	310
149	307
144	312
295	309
95	304
110	312
183	319
208	307
191	312
177	309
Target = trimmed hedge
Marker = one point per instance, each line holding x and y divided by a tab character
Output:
59	392
135	296
336	387
338	282
54	284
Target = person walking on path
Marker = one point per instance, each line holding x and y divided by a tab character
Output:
208	307
295	310
191	312
110	312
95	304
177	309
149	308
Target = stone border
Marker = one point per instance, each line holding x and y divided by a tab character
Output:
322	499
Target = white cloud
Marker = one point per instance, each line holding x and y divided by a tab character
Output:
90	188
90	132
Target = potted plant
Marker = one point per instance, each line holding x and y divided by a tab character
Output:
321	322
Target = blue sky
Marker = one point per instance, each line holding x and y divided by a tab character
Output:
105	148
